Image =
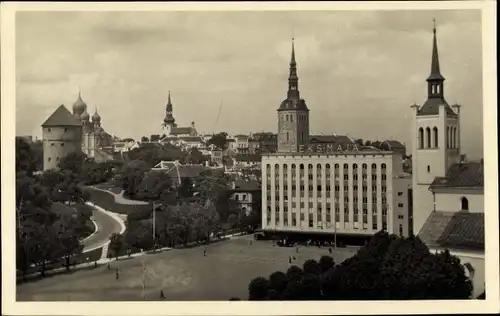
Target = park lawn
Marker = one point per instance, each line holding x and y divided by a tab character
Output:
107	202
182	274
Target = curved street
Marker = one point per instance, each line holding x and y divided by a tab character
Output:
106	226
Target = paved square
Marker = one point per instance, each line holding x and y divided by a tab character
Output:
183	274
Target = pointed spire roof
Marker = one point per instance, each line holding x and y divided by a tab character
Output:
292	60
61	117
435	70
169	99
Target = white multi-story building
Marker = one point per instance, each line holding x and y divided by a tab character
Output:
330	188
350	192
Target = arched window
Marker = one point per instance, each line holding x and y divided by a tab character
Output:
436	138
365	166
293	166
428	137
374	166
455	143
276	167
310	166
448	137
437	88
285	167
355	166
318	166
327	166
301	166
337	166
464	203
346	166
421	137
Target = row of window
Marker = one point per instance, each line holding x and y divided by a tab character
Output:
328	177
364	166
328	188
431	138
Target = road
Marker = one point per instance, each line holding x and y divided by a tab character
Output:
106	226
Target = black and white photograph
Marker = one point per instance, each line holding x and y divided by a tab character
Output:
172	154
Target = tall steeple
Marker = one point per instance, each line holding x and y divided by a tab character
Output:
169	116
435	79
293	79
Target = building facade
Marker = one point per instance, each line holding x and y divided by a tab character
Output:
93	133
436	140
62	134
346	193
329	186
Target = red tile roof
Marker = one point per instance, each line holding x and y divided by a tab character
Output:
62	117
455	230
469	174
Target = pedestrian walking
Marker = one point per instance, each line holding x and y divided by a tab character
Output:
109	266
297	249
330	250
290	260
95	264
117	274
204	252
162	295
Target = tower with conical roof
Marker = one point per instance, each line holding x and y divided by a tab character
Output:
293	114
436	142
62	134
169	121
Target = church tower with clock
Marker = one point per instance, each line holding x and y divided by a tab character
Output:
293	114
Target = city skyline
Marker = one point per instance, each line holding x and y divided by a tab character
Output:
127	62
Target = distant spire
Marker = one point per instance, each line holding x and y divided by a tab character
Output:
169	100
435	69
293	79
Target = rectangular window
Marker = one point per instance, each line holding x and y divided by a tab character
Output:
400	216
400	193
294	221
311	223
302	216
400	204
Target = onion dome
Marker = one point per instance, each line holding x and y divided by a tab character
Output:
79	106
85	116
96	117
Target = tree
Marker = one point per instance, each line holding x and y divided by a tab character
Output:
185	189
116	243
326	263
278	281
359	142
368	143
25	157
219	140
387	267
195	156
311	266
73	162
67	239
258	289
144	139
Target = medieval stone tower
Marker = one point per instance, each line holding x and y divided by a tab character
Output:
62	135
293	114
436	141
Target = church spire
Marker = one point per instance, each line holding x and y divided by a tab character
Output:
293	79
169	116
435	79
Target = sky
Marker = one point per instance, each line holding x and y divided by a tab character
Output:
359	71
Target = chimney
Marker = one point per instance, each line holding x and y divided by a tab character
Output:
192	124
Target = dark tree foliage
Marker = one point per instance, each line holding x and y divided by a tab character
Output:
258	289
388	267
73	162
219	140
